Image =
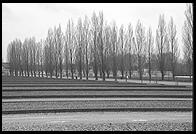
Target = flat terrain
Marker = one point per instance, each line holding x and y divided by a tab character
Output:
99	116
150	121
63	104
95	104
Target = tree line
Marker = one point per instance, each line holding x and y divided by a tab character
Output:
95	44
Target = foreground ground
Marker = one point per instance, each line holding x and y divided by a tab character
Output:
150	121
51	104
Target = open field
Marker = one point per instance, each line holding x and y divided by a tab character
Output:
100	121
26	97
94	104
134	82
69	94
178	78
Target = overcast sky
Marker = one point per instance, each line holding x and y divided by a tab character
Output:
27	20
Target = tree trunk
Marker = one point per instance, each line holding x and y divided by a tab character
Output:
149	74
60	67
103	70
95	69
87	70
61	73
34	73
149	70
72	76
66	62
31	72
56	71
100	73
114	68
173	75
27	69
103	73
86	64
46	74
108	73
162	75
190	70
130	74
80	64
51	73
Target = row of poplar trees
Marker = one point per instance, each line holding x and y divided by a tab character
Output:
95	44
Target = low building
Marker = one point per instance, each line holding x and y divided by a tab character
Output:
5	68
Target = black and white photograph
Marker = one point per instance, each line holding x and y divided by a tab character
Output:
97	67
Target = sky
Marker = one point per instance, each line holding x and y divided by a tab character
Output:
21	20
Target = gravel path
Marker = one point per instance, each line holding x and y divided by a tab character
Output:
100	88
67	93
86	104
91	99
128	126
76	84
100	80
110	121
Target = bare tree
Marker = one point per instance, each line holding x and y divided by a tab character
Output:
150	41
140	46
31	55
108	48
187	37
95	53
114	50
86	42
23	60
10	57
122	45
161	42
34	47
173	45
46	58
79	48
101	44
15	57
97	45
49	53
66	53
71	63
59	52
41	56
55	50
71	44
26	55
38	57
130	44
15	60
20	55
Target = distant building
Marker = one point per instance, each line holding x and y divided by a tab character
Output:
154	73
168	74
135	74
5	68
91	73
